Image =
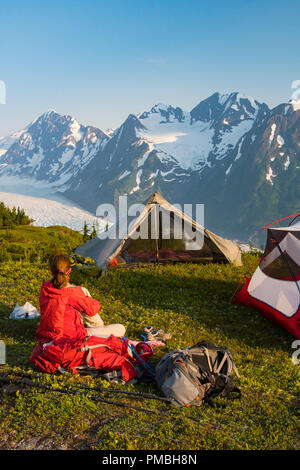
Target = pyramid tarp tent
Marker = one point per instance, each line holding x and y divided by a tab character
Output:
180	244
274	288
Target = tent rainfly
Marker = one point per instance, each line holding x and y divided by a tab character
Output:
133	247
274	288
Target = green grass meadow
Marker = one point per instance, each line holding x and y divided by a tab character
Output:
191	302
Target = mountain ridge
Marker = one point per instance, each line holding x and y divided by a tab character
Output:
230	152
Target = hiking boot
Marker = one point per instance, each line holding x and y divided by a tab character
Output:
152	334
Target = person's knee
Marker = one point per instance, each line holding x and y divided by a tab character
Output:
121	329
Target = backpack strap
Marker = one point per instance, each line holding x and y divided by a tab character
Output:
146	366
225	358
229	389
89	349
235	370
208	358
224	387
114	376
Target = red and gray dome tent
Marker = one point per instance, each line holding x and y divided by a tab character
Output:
274	288
130	249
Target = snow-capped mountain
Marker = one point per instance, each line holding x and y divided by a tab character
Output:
167	149
205	134
52	149
230	152
262	181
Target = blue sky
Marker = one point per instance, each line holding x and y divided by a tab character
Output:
101	60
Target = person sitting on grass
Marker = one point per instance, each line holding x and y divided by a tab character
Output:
65	308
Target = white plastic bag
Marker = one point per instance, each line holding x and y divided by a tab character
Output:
27	311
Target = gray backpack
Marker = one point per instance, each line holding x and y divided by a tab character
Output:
189	376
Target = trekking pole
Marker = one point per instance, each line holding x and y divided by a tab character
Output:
91	397
126	405
31	383
48	388
137	395
150	396
98	389
21	374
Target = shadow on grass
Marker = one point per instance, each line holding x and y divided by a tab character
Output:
20	330
19	337
17	355
204	299
201	295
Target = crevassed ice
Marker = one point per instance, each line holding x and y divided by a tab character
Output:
272	133
138	181
270	175
280	141
287	163
123	175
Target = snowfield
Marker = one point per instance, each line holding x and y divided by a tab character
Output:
46	212
190	143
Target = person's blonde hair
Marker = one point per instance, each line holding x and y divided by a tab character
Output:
60	266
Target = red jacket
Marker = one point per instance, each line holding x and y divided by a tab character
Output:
60	309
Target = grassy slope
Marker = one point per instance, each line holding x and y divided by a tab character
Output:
36	243
191	301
